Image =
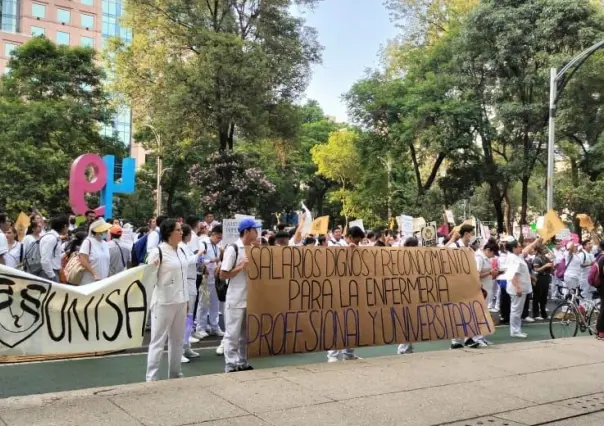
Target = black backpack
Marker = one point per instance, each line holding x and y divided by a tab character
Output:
223	285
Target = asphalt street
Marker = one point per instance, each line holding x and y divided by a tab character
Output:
112	370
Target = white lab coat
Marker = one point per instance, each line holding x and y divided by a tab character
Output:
209	305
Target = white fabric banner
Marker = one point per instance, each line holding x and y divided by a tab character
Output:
40	317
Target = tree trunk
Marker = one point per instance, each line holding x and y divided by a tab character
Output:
496	200
507	213
524	206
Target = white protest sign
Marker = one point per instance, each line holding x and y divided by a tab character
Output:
358	222
307	221
230	231
450	217
563	235
40	317
406	225
418	224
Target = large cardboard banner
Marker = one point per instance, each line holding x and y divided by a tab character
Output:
40	317
309	299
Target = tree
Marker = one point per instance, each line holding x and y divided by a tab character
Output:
230	184
221	70
52	107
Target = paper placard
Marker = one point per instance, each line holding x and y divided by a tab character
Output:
406	225
303	299
41	317
358	222
230	231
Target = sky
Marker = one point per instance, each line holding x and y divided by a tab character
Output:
352	33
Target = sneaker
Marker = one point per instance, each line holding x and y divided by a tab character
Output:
231	370
539	318
218	332
332	358
184	360
189	353
529	319
493	310
519	335
407	352
220	349
245	368
193	340
486	342
600	336
200	335
351	357
456	346
471	343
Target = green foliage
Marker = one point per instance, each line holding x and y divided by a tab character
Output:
52	105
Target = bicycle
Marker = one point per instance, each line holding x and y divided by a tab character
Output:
573	314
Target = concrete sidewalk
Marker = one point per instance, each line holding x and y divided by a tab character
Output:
553	382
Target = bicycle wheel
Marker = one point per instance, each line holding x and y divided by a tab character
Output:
564	321
592	318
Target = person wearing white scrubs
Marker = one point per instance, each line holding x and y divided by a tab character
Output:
185	247
574	265
233	268
484	265
94	253
587	259
355	236
407	348
208	308
169	300
518	286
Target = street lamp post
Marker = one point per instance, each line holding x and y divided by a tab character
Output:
554	92
160	170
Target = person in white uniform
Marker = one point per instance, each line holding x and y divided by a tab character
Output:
587	259
208	308
355	236
574	265
185	247
94	253
407	348
169	300
518	286
233	268
15	254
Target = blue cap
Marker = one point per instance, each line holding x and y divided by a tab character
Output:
248	223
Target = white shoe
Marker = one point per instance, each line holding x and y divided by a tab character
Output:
193	340
539	318
184	359
351	357
220	349
189	354
218	332
332	358
529	319
493	310
519	335
200	335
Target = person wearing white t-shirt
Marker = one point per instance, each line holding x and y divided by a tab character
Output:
337	239
51	248
4	225
208	307
587	259
15	253
574	262
518	286
153	239
234	264
94	252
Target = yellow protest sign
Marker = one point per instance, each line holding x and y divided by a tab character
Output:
585	222
320	226
311	299
21	225
551	226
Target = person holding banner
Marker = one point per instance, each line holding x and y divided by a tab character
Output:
355	236
233	269
169	300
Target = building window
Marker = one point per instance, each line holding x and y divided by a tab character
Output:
37	31
86	41
10	17
62	38
63	16
38	10
87	21
87	2
8	48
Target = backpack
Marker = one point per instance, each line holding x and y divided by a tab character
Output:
223	285
593	276
561	268
32	263
139	250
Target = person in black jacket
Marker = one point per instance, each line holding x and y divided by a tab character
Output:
600	323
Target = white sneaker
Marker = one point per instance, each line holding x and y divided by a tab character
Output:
220	349
529	319
519	335
193	340
218	332
539	318
189	354
493	310
332	358
200	335
351	357
482	344
184	360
